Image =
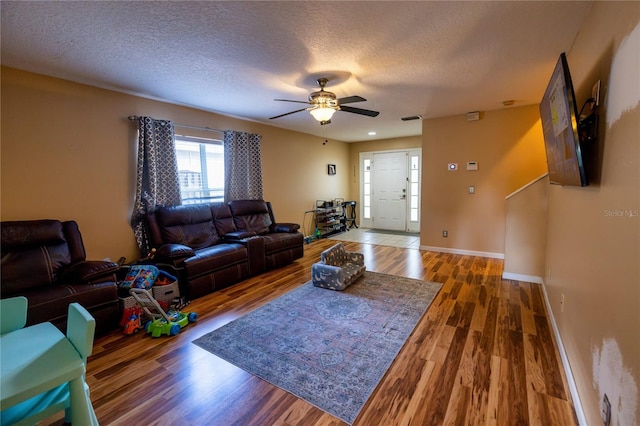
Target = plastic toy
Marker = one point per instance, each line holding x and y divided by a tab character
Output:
177	321
133	325
168	323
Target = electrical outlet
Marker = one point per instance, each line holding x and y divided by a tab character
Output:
445	234
606	411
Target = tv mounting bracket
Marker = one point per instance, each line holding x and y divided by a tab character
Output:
588	125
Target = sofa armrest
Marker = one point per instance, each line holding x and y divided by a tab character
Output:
324	275
173	252
255	249
89	271
285	227
236	236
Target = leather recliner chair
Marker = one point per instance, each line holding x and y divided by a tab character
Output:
45	261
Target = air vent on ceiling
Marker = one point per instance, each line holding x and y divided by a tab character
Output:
473	116
413	117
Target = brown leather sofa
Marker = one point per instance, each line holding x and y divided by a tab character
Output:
45	261
212	246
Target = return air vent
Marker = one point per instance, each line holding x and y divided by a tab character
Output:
473	116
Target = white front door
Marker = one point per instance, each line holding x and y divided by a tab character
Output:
390	191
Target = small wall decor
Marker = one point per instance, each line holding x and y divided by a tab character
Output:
331	169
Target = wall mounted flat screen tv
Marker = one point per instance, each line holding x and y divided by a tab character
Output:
559	115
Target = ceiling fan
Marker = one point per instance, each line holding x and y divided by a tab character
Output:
323	104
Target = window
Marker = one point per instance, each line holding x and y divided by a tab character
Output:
200	169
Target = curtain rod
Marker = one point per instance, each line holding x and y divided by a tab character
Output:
208	129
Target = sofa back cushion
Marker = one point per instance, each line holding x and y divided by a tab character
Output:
251	215
223	219
189	225
33	254
334	256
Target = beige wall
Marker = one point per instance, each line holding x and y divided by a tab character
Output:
593	241
509	149
526	232
68	152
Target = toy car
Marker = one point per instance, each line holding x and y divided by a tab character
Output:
168	323
161	326
133	325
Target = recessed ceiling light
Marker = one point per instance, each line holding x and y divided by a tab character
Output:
372	133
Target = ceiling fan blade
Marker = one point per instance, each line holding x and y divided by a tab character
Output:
287	113
289	100
351	99
360	111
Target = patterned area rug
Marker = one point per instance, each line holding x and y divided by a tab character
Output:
327	347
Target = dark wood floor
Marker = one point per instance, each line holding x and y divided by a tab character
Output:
483	354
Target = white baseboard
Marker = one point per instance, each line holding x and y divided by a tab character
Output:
465	252
521	277
573	389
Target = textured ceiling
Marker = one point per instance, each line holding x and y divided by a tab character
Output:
426	58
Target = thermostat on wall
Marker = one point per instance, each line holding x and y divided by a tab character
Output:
472	165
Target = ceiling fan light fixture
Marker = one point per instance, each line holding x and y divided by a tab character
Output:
323	104
322	113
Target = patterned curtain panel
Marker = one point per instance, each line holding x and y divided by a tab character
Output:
242	166
157	182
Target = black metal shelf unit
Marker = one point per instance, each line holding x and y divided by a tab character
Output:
330	217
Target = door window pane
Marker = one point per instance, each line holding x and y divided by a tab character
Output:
414	188
366	179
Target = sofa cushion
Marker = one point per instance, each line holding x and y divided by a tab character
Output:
223	219
215	257
33	254
187	225
31	234
251	215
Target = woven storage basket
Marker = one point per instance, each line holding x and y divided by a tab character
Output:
164	294
126	302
